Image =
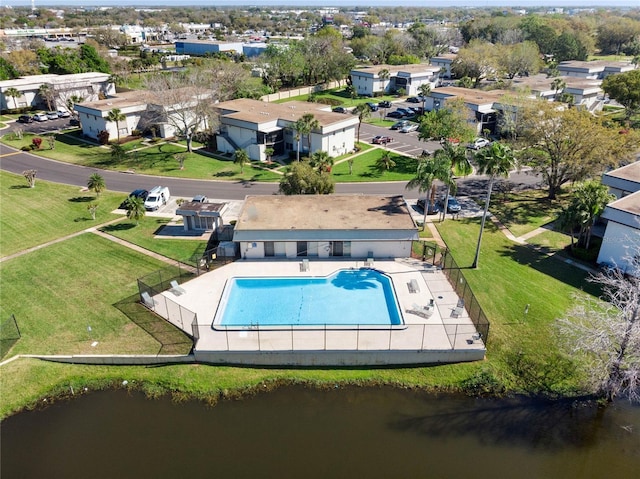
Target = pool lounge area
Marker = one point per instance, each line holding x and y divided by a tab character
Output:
434	326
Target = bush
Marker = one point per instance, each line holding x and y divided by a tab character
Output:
36	142
103	137
136	132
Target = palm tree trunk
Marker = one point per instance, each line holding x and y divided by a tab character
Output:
484	218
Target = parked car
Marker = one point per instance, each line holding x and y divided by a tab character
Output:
140	193
395	114
381	140
52	115
399	124
452	205
479	143
418	110
409	128
74	122
372	106
384	104
413	99
405	111
339	109
40	117
25	119
158	196
433	209
63	114
199	199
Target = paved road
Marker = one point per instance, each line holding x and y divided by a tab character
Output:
17	161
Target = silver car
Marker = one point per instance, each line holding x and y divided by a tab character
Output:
409	128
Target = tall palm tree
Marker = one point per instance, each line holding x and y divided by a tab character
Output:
384	75
496	160
425	90
13	93
429	169
96	183
47	94
558	84
135	208
304	126
460	165
116	116
363	111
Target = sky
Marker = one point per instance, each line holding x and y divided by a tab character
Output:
335	3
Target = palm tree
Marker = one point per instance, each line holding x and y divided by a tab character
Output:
363	111
429	169
135	208
588	202
96	183
384	75
13	93
385	162
304	126
321	161
425	90
46	93
495	160
457	157
558	84
116	116
241	158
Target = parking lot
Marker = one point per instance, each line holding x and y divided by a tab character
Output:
43	127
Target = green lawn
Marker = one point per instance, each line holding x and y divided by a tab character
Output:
32	216
154	159
510	277
364	168
524	211
143	235
340	96
58	291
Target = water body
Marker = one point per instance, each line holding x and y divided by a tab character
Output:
340	433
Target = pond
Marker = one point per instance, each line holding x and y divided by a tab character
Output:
335	433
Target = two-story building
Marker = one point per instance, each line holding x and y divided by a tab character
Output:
254	126
372	80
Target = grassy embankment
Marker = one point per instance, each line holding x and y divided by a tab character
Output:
56	292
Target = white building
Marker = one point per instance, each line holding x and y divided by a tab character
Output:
88	86
93	115
367	80
351	226
621	241
253	126
594	70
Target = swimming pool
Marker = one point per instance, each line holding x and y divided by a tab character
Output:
345	298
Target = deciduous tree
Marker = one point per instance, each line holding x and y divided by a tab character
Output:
30	176
301	179
625	89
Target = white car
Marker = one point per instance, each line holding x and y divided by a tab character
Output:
479	143
40	117
409	128
63	114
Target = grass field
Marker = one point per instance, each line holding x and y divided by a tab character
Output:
58	291
33	216
364	168
143	235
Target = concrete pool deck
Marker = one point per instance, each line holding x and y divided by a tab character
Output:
441	334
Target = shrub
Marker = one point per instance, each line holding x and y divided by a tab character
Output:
103	137
36	142
136	132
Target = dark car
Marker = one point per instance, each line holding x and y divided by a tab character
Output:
372	106
339	109
395	114
433	209
381	140
142	194
452	205
25	119
399	124
74	122
405	111
413	99
384	104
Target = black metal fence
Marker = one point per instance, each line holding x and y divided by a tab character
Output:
9	335
453	272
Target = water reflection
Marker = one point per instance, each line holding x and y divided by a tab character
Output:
337	433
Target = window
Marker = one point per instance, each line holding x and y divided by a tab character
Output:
341	248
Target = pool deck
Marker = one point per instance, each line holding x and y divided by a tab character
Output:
441	334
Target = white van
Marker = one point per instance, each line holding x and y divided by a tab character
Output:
158	196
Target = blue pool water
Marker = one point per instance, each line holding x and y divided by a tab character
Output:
347	297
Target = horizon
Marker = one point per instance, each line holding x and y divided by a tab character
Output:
334	3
